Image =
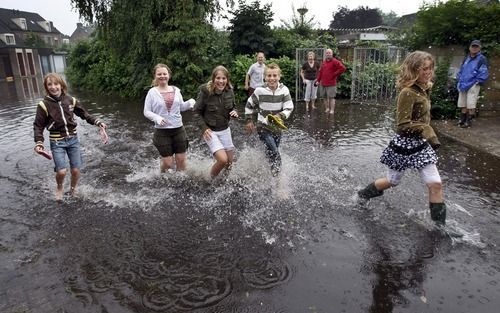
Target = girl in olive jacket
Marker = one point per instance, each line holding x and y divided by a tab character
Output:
213	109
415	141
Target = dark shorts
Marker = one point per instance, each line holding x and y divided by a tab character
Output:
170	141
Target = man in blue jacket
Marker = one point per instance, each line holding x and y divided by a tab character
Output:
472	74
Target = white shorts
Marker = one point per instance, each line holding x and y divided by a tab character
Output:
220	140
311	90
468	99
429	174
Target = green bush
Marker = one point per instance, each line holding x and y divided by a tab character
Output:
239	69
443	96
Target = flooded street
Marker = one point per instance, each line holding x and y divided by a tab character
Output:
135	240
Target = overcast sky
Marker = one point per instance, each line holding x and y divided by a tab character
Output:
65	18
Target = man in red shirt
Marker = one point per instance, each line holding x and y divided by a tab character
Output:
331	68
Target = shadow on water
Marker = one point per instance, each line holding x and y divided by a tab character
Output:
138	241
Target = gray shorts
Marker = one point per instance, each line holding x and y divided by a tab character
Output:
328	91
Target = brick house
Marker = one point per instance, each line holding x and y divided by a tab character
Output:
28	49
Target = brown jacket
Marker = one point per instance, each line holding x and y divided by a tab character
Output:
414	113
58	117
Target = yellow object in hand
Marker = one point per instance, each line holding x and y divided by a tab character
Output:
276	120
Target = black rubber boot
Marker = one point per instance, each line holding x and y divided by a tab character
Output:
370	191
468	121
463	118
438	213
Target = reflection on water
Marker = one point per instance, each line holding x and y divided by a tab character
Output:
138	241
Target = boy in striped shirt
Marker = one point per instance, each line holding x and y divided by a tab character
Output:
266	109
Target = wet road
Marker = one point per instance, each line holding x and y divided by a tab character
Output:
137	241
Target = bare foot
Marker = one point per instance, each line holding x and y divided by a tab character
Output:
59	193
72	192
332	112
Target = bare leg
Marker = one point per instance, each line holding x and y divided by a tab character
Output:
230	158
221	161
75	177
435	192
327	105
180	161
331	102
307	106
382	184
60	184
312	103
166	163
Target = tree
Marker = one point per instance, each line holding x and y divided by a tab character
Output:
250	30
134	35
455	22
388	19
97	10
34	41
362	17
300	24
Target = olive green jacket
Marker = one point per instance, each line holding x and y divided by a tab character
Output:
414	113
211	110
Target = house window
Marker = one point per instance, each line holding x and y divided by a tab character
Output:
31	63
23	24
20	62
10	39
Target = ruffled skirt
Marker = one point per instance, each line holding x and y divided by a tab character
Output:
407	152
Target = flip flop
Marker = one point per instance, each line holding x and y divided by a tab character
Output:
45	154
104	136
276	120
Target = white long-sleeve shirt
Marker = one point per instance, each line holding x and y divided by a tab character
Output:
155	108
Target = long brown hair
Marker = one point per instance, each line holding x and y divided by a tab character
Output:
57	79
408	71
211	83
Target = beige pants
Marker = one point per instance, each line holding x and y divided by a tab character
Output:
468	99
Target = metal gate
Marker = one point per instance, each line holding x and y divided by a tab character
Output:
300	59
374	73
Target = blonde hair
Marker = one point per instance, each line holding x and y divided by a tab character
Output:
56	78
311	53
211	83
154	83
272	66
408	71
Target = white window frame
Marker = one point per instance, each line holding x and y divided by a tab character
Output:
9	39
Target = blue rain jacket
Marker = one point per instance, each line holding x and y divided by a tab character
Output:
473	70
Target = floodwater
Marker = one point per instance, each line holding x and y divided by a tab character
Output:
138	241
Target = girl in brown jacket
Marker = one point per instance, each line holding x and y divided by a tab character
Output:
56	112
415	143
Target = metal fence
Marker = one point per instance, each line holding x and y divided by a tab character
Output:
300	59
374	73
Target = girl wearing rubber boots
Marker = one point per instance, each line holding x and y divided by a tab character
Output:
415	141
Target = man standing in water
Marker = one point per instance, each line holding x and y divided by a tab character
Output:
472	74
255	75
330	70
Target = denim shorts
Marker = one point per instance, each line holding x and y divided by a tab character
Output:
69	146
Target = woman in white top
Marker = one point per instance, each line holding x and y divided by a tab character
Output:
163	106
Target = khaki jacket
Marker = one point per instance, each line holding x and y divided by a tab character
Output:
414	114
